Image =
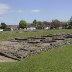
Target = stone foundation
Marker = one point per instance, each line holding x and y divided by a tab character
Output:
20	48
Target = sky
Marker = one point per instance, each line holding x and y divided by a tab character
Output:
12	11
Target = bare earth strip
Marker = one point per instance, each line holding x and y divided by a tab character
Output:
5	59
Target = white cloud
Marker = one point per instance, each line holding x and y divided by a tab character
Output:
4	8
35	11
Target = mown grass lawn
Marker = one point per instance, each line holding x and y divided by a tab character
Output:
11	35
55	60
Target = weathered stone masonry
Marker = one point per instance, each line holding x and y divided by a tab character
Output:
20	48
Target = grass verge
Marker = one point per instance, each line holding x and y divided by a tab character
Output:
11	35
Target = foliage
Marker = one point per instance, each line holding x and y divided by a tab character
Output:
55	23
23	24
7	29
66	26
39	25
69	27
35	22
3	26
70	22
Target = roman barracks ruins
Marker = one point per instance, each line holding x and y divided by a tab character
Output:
20	48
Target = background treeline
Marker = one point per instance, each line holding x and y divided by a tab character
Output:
54	24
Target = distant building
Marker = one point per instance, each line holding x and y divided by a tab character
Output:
46	25
1	30
31	28
46	28
13	27
60	27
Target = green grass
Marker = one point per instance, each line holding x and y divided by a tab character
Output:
30	34
55	60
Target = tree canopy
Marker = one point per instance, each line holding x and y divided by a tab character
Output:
39	25
3	26
35	22
55	23
23	24
70	22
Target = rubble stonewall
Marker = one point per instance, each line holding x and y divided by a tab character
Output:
20	48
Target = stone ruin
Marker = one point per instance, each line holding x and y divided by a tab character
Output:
20	48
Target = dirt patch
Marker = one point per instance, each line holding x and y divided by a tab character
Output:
5	59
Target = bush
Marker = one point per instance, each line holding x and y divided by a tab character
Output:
3	26
7	29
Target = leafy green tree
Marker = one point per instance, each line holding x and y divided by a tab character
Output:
39	25
70	22
23	24
3	26
66	26
35	22
55	23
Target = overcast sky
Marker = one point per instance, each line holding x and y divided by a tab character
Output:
12	11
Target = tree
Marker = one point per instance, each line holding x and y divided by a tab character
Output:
3	26
66	26
70	23
23	24
39	25
35	22
55	23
